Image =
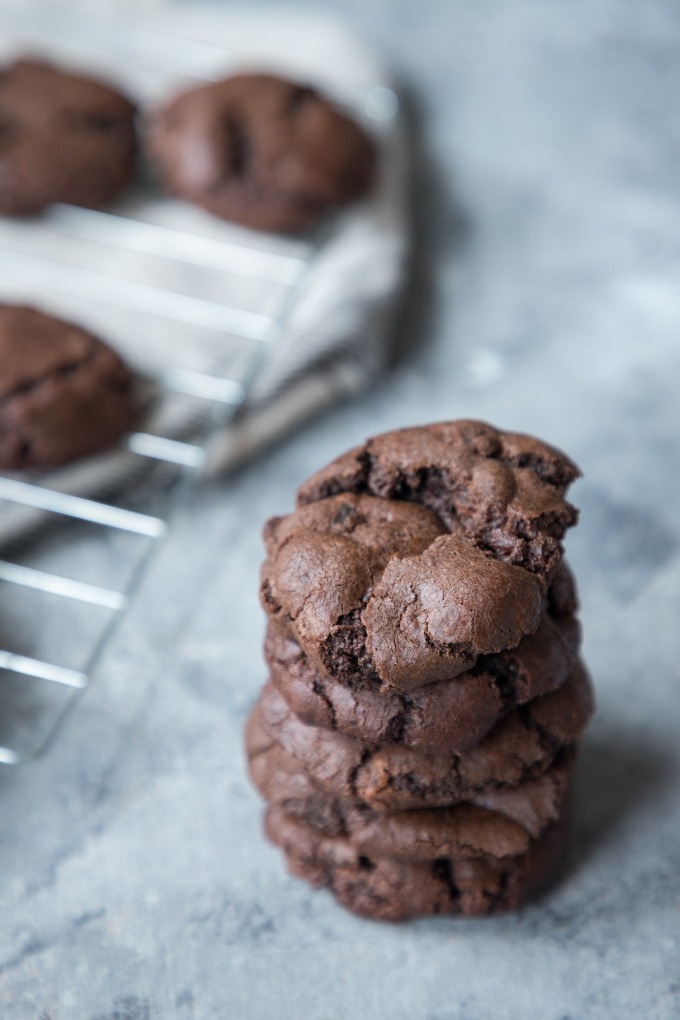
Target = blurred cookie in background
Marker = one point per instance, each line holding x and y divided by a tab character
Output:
64	137
261	151
63	392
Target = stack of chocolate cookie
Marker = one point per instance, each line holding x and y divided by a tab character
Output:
417	736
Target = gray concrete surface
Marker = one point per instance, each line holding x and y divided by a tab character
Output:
135	881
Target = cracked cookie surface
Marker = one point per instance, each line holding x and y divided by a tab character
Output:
503	489
394	778
452	715
500	821
64	137
63	392
261	151
375	588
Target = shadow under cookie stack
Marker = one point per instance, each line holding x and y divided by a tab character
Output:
416	739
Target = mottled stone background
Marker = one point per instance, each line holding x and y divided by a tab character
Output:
135	881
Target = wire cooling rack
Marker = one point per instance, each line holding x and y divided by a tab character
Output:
191	303
53	622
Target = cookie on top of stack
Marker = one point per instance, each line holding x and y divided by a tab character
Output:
416	739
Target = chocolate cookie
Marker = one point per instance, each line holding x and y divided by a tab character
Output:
63	393
416	740
499	821
393	890
261	151
395	778
64	137
503	489
376	588
452	715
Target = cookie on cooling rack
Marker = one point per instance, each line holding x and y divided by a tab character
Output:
63	392
260	151
449	715
64	137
